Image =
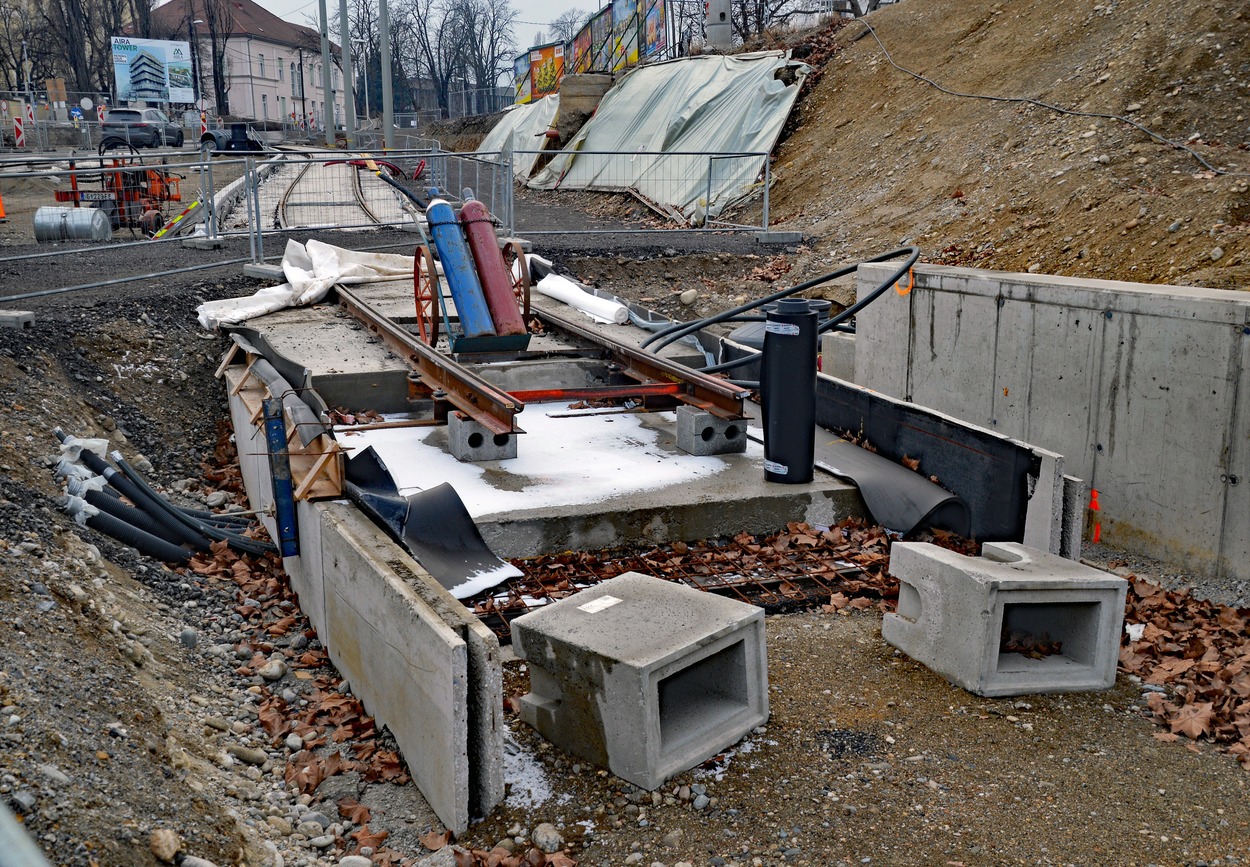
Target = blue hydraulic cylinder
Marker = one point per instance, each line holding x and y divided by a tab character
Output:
458	268
280	472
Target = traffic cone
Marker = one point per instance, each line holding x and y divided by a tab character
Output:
1094	507
3	218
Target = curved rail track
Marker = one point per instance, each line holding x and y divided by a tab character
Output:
318	195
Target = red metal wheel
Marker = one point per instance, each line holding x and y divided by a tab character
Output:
426	289
519	271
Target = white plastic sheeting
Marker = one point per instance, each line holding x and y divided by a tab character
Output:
656	128
310	269
521	129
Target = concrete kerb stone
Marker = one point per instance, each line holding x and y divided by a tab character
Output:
644	677
19	319
700	433
954	613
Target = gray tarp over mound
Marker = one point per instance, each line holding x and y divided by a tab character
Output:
521	129
685	109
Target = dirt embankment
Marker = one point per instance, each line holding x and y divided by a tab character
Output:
880	157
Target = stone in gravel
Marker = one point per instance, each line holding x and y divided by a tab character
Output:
53	773
310	829
192	861
320	818
294	742
216	722
25	800
272	670
671	839
165	844
355	861
217	499
701	802
445	857
1217	254
688	297
247	754
322	842
547	838
188	638
634	858
282	826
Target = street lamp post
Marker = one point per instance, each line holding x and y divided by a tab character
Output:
364	48
195	59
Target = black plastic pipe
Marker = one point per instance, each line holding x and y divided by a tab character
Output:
132	516
788	392
115	528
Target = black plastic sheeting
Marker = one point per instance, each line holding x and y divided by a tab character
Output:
286	379
992	474
433	525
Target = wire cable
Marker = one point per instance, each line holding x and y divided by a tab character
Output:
1030	100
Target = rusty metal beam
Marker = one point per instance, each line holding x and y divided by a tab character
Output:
602	392
491	407
717	396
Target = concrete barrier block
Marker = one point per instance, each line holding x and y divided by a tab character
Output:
644	677
408	667
700	433
469	441
966	617
19	319
837	355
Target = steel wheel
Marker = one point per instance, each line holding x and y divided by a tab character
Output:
426	289
519	272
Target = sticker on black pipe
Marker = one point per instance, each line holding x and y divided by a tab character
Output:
781	328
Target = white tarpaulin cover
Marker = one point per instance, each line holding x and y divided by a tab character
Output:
310	269
521	129
662	120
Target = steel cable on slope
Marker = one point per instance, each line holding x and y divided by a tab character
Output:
1031	100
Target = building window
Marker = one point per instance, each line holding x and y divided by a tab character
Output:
282	103
262	65
280	71
297	83
264	105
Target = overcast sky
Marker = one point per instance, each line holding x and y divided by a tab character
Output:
534	15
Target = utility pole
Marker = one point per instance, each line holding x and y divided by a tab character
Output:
327	96
388	102
349	76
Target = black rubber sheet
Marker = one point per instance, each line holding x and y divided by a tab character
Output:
433	525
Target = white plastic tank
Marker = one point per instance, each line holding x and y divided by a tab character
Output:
54	223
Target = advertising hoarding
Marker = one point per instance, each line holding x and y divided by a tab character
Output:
653	31
546	69
521	74
624	34
152	70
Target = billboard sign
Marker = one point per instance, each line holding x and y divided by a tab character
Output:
521	73
624	34
153	70
653	34
546	69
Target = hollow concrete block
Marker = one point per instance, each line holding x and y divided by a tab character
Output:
960	615
701	434
470	441
644	677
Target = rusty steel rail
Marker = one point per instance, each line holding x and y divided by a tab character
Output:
717	396
494	409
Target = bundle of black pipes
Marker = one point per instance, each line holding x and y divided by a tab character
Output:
152	525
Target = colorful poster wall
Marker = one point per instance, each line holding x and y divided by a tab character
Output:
546	69
653	32
601	38
624	34
583	47
521	75
152	70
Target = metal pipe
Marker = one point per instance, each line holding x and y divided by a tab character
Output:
388	107
349	76
120	280
327	93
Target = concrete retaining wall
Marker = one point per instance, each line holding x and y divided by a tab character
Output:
1145	390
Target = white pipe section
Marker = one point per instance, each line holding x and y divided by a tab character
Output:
565	290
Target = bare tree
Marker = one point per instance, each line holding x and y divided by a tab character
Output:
488	30
753	17
566	25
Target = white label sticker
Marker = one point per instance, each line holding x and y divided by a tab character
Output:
781	328
774	467
599	604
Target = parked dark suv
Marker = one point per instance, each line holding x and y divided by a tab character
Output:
141	127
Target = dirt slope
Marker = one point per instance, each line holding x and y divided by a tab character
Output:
879	157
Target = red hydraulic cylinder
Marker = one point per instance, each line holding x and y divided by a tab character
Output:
491	270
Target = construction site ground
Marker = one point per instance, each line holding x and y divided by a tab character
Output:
129	698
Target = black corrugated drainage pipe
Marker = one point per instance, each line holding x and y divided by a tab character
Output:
145	543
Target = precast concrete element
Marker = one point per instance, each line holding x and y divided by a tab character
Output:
644	677
471	441
1144	389
701	433
837	355
966	617
20	319
417	659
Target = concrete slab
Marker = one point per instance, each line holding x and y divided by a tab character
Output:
204	244
264	271
584	481
772	237
644	677
955	614
408	667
